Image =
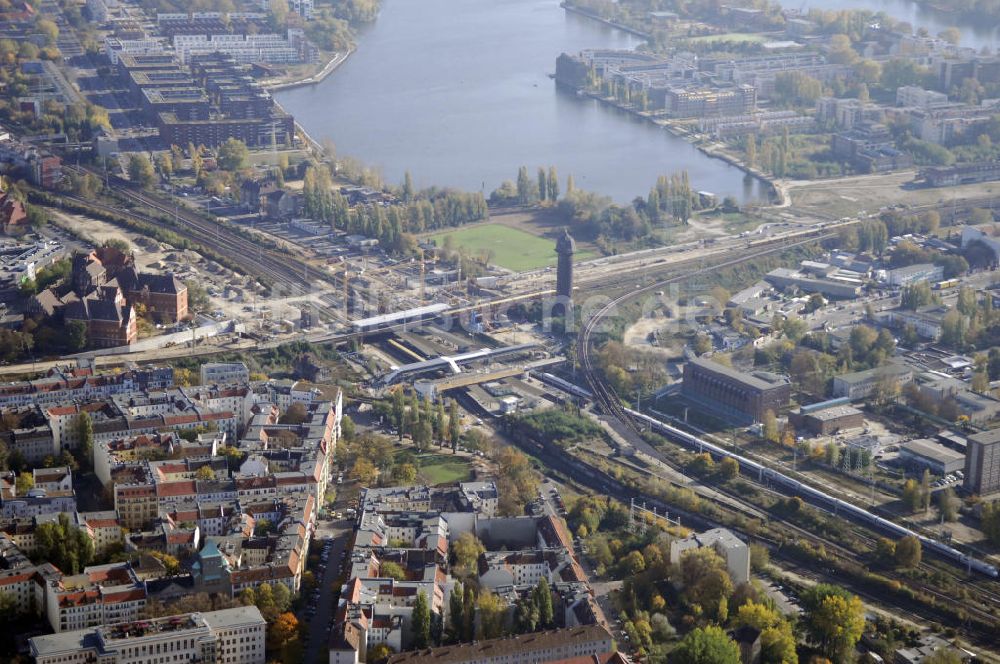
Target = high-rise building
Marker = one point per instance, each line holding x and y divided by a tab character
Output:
565	248
982	462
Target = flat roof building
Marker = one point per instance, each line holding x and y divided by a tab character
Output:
861	384
234	636
935	457
828	420
589	642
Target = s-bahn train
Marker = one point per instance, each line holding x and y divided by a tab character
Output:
804	490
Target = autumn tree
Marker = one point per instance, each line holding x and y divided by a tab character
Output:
282	633
834	619
705	579
492	611
769	427
466	551
517	482
777	638
364	471
911	495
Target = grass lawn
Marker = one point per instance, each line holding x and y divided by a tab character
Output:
730	37
512	248
442	468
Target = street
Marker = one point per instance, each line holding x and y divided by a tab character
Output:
324	599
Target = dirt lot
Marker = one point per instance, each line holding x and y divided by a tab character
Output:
637	336
844	197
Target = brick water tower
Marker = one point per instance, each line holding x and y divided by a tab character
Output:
565	248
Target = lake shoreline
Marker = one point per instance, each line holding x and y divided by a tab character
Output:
312	110
775	197
331	66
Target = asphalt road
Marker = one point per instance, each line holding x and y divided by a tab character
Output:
318	633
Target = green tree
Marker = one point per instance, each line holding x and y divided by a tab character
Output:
421	622
140	171
990	522
543	184
553	184
454	424
456	614
706	645
908	552
408	190
948	504
542	596
85	431
76	335
527	191
234	155
404	473
389	569
8	606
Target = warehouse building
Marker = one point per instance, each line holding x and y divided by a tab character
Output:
827	419
935	457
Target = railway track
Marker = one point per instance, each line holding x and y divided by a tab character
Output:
608	401
283	270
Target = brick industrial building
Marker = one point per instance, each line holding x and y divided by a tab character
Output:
732	394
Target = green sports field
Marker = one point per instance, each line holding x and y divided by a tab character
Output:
512	248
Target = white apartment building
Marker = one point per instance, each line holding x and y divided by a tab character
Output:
229	636
734	550
270	47
102	595
224	373
916	97
114	47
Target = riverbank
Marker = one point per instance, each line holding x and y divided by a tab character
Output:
334	62
612	24
775	192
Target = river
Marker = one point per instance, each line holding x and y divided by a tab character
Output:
458	93
975	33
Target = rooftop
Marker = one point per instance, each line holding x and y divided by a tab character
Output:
931	450
511	645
